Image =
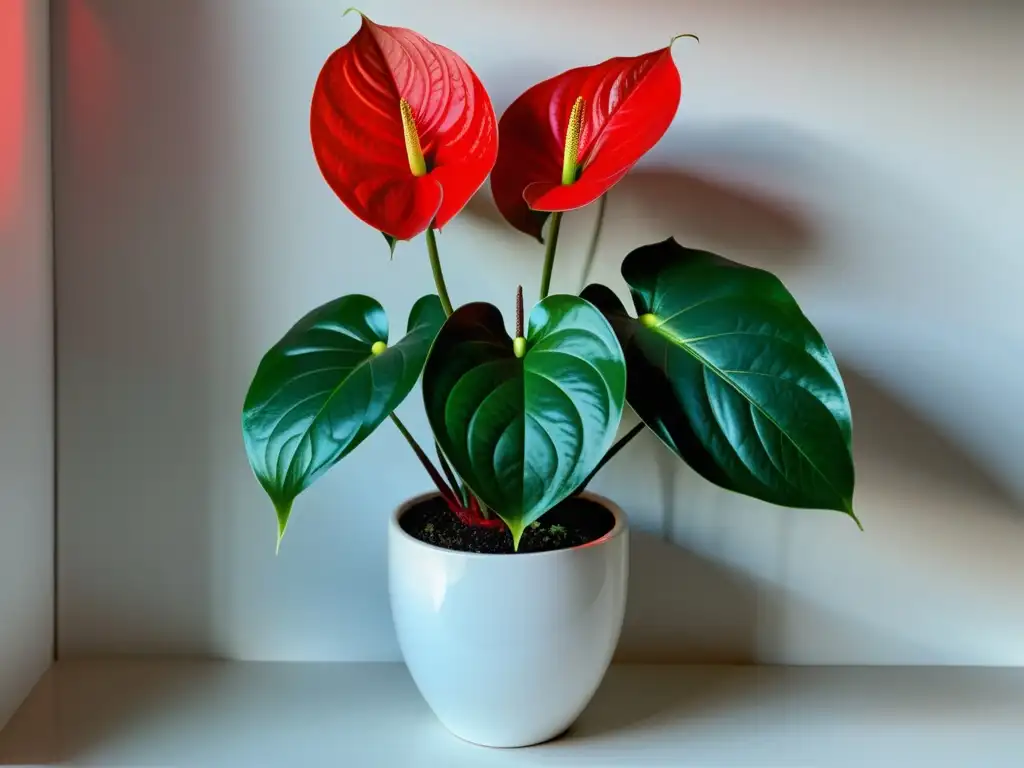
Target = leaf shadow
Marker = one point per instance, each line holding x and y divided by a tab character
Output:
696	207
892	434
705	208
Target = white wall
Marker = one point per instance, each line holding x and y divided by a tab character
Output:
868	152
26	352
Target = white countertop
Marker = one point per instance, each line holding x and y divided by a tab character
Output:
194	714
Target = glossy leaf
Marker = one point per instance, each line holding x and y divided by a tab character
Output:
358	138
324	387
524	432
629	104
730	374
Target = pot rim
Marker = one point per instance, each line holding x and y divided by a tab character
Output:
618	529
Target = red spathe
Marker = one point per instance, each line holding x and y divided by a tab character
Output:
630	103
356	129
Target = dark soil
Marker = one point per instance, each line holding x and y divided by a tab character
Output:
574	522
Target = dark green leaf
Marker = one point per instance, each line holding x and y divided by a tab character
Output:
524	432
325	386
392	242
730	374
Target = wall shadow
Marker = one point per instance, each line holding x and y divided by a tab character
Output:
685	607
133	251
888	431
694	207
697	205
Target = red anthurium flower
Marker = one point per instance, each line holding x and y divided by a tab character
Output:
614	111
402	129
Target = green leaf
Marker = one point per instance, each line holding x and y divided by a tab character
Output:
730	374
524	432
325	386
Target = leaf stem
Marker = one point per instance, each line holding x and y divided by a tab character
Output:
447	469
618	446
595	239
549	253
447	492
435	266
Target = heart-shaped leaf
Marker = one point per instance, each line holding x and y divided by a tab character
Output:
524	432
325	386
730	374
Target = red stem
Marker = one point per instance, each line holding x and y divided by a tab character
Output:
468	515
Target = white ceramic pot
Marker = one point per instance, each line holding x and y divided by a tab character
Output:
508	649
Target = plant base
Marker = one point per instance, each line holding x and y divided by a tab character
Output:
573	523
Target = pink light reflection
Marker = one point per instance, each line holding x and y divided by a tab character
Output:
13	106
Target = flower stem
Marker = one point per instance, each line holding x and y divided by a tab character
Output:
519	311
618	446
595	239
435	266
549	253
446	492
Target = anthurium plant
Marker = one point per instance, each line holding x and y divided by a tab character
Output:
714	357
